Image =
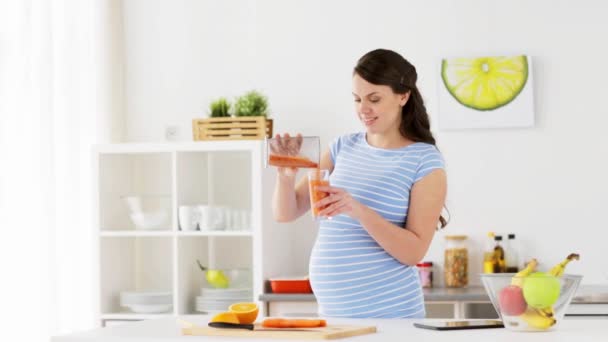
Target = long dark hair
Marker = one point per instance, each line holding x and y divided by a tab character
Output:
386	67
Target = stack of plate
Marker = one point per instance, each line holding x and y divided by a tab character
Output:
218	300
147	302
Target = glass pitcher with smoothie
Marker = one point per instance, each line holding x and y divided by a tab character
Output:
296	151
317	178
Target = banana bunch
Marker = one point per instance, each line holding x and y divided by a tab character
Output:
543	317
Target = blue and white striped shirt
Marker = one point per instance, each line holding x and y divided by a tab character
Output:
350	273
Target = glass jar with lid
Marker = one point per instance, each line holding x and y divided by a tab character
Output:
456	261
425	272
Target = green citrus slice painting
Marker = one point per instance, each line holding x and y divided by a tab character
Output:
485	83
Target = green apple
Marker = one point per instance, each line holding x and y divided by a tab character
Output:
541	290
217	279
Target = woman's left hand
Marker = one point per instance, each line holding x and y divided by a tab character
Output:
338	202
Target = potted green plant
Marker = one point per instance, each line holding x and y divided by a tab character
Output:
252	103
250	120
219	108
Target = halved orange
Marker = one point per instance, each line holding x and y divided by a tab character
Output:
246	312
226	317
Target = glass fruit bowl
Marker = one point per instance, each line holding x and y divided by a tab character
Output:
533	302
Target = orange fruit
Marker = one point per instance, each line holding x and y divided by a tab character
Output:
226	317
246	312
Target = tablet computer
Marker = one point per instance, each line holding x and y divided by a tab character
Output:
459	325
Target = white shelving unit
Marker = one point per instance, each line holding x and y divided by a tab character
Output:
226	173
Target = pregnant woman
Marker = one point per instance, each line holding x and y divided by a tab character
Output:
387	189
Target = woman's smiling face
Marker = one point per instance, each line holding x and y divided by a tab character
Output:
377	106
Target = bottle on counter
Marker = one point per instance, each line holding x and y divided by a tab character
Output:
511	254
456	261
499	256
488	254
425	271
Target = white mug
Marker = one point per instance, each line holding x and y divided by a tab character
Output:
188	217
204	217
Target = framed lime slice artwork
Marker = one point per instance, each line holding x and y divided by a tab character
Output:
477	92
485	83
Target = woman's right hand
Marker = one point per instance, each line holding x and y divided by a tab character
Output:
287	146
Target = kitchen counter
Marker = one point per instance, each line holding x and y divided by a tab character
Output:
167	330
457	297
590	300
586	294
467	294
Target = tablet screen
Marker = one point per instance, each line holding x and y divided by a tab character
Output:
454	325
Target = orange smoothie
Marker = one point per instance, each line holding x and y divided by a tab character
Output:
317	178
291	161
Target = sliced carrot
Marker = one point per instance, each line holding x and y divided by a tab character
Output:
291	161
293	323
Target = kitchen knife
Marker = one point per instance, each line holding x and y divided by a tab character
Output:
223	325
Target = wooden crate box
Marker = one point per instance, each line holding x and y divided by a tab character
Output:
232	128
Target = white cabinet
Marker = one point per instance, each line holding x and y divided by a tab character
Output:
227	175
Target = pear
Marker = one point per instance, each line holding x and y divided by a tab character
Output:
215	278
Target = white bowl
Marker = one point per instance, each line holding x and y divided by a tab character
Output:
149	212
145	298
151	220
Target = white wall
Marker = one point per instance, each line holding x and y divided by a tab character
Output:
546	183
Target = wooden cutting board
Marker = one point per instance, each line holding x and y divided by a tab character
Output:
329	332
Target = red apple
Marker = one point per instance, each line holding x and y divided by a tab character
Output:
512	302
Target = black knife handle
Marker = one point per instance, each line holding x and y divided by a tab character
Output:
224	325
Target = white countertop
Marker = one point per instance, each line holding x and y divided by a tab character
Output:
168	330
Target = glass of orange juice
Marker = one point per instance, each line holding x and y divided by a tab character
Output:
317	177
